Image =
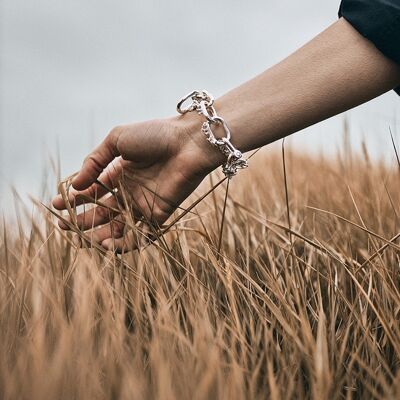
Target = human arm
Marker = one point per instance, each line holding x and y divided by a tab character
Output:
337	70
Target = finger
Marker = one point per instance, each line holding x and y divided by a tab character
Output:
108	179
132	240
98	160
146	202
77	198
121	245
113	230
98	215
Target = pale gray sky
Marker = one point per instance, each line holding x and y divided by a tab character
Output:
71	70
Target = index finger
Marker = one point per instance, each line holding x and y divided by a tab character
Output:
98	160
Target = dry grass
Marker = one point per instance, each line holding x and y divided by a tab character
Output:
308	313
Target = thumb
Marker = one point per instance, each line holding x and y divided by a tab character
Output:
98	160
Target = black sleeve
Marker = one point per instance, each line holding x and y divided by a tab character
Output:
378	21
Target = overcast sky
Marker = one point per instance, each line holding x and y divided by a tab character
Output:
71	70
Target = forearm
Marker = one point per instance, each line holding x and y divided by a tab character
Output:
336	71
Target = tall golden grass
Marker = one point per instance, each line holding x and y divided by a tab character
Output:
302	300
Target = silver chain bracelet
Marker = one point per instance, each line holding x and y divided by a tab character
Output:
202	102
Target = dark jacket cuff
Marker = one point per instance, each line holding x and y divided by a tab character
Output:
378	21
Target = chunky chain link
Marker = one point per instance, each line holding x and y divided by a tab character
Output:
203	103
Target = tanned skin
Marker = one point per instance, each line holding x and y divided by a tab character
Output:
337	70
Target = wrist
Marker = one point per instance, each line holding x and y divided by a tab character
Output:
202	157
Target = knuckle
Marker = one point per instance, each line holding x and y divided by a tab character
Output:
159	214
115	132
103	213
142	206
93	162
117	229
92	192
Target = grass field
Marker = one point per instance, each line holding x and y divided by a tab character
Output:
302	300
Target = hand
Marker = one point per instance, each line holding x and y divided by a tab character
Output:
152	165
